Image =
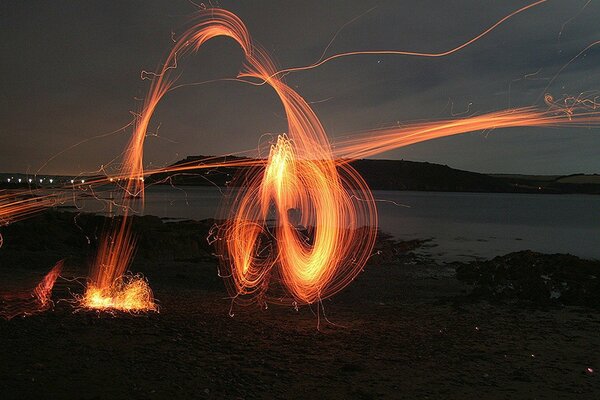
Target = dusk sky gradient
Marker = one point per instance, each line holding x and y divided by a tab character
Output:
71	72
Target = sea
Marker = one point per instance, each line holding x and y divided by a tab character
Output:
457	226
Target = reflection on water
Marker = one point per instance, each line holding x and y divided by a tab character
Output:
462	225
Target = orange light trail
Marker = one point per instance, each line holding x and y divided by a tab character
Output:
382	140
300	173
296	233
35	301
18	205
413	53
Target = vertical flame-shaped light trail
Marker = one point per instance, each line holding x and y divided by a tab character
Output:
17	303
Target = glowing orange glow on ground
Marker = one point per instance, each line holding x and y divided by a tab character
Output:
109	288
129	294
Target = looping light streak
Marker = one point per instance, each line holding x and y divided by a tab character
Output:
296	232
300	174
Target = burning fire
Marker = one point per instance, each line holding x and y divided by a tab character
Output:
109	288
128	293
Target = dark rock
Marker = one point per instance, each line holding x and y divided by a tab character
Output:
539	279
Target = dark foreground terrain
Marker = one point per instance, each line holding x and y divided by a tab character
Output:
406	328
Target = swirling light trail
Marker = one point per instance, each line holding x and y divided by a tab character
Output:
267	253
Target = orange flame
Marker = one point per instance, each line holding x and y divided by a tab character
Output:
109	289
38	300
127	293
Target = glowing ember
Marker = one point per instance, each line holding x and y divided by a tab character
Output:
109	288
129	294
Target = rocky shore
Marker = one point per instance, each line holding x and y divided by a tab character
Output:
407	327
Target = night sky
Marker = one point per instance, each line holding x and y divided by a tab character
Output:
71	72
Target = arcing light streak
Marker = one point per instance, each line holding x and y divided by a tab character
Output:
117	246
382	140
413	53
300	174
296	232
19	205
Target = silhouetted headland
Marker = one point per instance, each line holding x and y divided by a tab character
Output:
403	175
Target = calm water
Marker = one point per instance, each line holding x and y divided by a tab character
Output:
461	225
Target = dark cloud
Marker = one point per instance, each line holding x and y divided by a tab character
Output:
71	71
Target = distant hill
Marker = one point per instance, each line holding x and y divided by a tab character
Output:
424	176
379	175
575	183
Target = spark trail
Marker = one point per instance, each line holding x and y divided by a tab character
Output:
381	140
27	303
296	232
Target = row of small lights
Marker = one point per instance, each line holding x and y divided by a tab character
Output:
30	180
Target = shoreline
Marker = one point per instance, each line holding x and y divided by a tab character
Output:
405	328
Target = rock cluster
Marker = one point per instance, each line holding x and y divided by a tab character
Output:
535	278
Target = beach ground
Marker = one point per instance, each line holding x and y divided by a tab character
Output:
403	329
